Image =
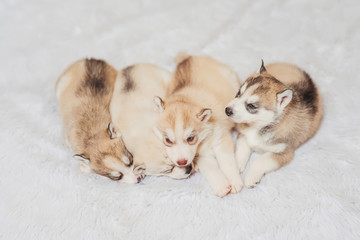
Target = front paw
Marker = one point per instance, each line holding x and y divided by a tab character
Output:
242	161
236	184
252	180
221	190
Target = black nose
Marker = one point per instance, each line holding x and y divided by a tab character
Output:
189	169
228	111
138	179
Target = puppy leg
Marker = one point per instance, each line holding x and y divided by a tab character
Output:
213	175
224	152
266	163
243	152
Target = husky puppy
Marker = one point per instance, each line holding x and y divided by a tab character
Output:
84	91
276	110
132	112
192	123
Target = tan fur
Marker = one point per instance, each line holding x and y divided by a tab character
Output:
132	111
199	83
301	125
84	91
289	128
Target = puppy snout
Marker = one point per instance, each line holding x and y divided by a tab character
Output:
228	111
139	179
189	169
182	162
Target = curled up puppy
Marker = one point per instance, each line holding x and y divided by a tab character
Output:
132	112
84	92
276	110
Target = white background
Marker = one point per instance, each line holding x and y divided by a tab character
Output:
43	195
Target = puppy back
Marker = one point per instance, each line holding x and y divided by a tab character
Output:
181	56
306	109
98	79
84	91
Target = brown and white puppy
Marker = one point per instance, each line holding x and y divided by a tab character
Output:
84	91
276	110
192	123
133	114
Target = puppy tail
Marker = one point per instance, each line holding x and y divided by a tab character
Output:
181	56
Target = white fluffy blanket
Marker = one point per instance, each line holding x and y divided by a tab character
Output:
43	195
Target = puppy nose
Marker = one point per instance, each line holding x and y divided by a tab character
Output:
182	162
228	111
189	169
139	179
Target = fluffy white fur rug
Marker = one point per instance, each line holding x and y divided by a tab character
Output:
43	195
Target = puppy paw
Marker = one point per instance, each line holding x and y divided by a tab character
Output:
221	190
251	180
236	184
242	161
242	168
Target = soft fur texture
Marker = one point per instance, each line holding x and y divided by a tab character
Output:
43	195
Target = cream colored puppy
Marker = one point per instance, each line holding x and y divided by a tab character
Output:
133	114
276	110
192	123
84	91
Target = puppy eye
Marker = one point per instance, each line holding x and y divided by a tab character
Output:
191	139
116	176
168	141
251	106
168	170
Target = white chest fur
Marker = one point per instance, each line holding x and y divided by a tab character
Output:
262	143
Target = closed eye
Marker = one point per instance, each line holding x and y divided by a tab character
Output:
168	170
116	176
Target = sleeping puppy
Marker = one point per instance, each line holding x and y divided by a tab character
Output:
192	124
84	91
276	110
133	114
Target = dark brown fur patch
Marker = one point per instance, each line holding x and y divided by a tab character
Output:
252	81
182	75
307	93
266	129
129	84
94	79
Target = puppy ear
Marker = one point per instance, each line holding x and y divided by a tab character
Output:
128	160
204	115
262	68
159	104
84	163
113	131
139	169
284	98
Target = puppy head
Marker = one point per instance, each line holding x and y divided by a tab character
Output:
109	157
260	101
181	127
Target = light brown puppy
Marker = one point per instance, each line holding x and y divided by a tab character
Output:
192	123
276	110
84	91
132	111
